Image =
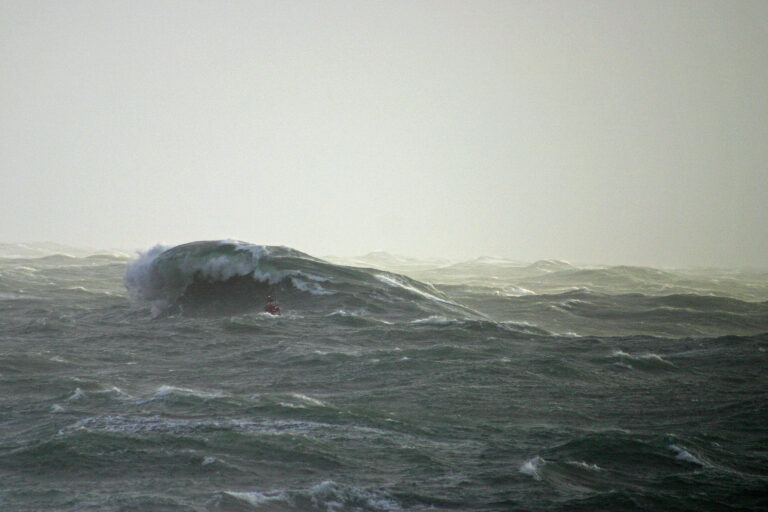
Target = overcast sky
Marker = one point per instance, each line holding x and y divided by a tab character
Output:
595	132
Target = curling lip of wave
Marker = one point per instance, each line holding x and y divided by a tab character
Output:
161	275
228	274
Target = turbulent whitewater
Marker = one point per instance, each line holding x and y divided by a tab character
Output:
157	382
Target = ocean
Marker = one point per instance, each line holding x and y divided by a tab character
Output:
157	382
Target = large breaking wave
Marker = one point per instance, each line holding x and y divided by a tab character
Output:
228	276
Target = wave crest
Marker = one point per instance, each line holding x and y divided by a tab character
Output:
229	276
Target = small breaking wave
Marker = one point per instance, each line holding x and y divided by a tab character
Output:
165	391
685	455
308	400
327	496
79	394
647	360
532	467
356	317
584	465
402	283
257	499
435	320
479	325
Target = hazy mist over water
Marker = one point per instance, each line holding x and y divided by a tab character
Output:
596	132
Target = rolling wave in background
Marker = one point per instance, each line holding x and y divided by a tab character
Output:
157	382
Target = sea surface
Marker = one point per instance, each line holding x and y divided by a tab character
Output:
156	382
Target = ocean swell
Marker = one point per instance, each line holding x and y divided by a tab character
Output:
184	275
228	276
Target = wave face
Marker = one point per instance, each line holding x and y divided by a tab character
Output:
226	276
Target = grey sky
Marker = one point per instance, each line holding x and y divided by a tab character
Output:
603	132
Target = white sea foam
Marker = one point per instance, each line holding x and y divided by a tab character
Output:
161	275
77	395
116	390
165	391
434	320
514	291
256	498
144	284
647	356
308	400
326	496
359	313
513	326
333	497
344	313
585	465
222	268
311	287
138	426
18	295
532	467
312	277
683	454
521	325
137	273
394	282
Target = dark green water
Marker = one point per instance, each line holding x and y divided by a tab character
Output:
501	387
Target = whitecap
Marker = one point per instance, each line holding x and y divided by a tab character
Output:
514	291
308	400
77	395
683	454
116	390
165	390
310	287
647	356
256	498
394	282
327	495
342	313
333	497
532	466
358	314
18	295
585	465
434	320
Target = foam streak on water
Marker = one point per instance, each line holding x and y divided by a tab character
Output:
158	383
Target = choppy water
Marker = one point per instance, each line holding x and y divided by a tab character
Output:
157	384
